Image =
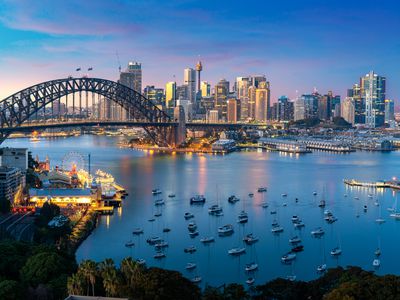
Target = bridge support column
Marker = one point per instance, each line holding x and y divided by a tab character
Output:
179	132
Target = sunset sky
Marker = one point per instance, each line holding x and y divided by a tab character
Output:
298	45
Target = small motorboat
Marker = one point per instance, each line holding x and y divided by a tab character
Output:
159	202
250	281
262	189
154	240
198	199
377	252
190	266
321	268
273	212
225	230
317	232
264	204
376	263
196	279
129	244
294	240
207	240
284	204
158	214
137	231
250	239
299	224
251	267
166	229
236	251
190	249
314	193
151	220
365	208
141	261
156	192
159	255
288	257
336	251
322	203
284	195
243	217
277	229
331	219
295	219
219	214
193	234
380	220
395	215
214	209
188	215
161	244
171	195
251	195
192	226
233	199
298	248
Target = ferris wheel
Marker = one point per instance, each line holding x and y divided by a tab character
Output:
73	161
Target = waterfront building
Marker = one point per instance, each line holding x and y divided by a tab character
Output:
348	110
389	111
212	116
12	180
242	89
14	158
170	94
205	88
62	196
189	80
223	145
262	106
373	90
232	107
220	96
156	95
132	76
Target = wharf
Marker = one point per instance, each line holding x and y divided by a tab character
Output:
377	184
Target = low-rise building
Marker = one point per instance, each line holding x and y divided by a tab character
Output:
62	196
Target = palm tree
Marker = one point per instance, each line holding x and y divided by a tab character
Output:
131	270
75	284
88	269
109	274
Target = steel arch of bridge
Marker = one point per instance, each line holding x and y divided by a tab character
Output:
19	107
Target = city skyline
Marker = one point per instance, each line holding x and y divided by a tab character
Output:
298	47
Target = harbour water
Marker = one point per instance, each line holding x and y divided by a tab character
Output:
239	173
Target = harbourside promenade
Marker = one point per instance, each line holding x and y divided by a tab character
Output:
377	184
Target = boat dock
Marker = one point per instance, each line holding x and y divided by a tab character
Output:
378	184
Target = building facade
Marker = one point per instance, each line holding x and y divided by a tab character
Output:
132	76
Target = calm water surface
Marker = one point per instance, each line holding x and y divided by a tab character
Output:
218	177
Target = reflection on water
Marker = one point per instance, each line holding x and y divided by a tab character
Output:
218	177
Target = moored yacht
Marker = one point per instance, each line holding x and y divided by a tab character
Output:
129	244
233	199
277	229
198	199
236	251
156	192
207	240
321	268
188	215
376	263
250	280
190	266
317	232
196	279
250	239
243	217
294	240
225	230
288	257
336	251
137	231
159	202
214	209
251	267
262	189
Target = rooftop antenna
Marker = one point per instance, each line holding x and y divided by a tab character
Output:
119	62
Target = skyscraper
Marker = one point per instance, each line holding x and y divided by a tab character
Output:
242	89
205	88
348	110
170	94
251	106
262	107
389	111
220	96
132	76
373	90
189	79
232	110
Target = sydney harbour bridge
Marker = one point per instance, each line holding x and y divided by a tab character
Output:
39	107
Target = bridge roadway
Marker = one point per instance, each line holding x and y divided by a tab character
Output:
29	127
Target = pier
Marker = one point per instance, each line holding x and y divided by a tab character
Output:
334	146
377	184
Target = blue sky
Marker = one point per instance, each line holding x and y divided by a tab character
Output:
298	45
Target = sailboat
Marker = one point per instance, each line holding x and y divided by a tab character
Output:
322	267
322	202
380	220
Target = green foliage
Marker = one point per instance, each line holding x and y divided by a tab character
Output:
10	290
340	122
310	122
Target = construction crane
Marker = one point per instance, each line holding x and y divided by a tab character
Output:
119	62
